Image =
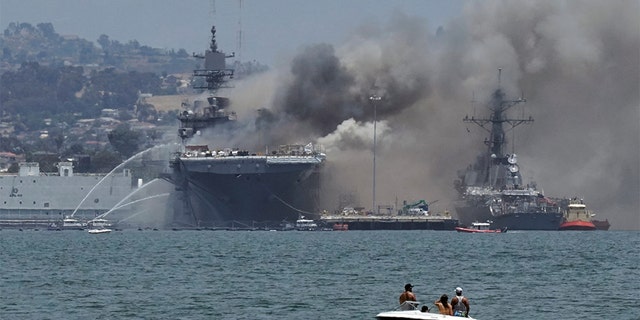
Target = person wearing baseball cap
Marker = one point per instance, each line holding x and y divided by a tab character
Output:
460	304
407	295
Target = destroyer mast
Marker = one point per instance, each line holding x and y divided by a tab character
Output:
496	142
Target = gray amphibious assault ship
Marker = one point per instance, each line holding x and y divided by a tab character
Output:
219	186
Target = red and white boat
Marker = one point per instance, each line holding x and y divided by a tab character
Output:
577	217
480	227
340	226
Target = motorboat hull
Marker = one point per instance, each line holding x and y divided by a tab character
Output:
471	230
415	315
99	231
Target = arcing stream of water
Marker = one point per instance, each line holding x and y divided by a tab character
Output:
169	147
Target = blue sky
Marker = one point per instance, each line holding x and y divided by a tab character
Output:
271	29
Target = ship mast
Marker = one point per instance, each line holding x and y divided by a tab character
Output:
215	72
498	106
215	75
496	142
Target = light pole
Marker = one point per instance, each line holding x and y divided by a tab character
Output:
374	98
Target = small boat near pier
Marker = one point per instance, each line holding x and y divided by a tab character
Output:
340	226
303	224
481	227
71	223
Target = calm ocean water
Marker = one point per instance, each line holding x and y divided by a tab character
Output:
315	275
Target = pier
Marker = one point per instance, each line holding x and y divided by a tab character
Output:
396	222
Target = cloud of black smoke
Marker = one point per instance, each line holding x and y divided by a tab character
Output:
577	63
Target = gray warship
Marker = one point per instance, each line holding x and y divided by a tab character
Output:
32	198
218	186
493	189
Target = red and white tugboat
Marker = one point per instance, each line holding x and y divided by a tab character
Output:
577	217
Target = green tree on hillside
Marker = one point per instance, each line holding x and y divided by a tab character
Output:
124	140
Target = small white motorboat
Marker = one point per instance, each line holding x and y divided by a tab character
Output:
410	310
480	227
99	230
70	223
303	224
98	223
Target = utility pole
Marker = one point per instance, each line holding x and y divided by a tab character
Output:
374	99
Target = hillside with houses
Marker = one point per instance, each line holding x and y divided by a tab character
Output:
66	98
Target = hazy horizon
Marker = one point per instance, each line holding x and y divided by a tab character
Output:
270	35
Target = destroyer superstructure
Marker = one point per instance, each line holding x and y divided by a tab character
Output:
493	189
223	186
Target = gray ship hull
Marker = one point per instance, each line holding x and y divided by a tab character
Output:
529	220
251	191
470	214
47	198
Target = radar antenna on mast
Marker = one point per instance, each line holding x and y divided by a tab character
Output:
213	46
215	72
498	106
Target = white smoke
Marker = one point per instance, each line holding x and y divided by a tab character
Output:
576	63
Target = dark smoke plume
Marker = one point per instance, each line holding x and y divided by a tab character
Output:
576	63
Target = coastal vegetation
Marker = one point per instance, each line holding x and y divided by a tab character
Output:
70	98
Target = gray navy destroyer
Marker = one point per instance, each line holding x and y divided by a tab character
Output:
218	186
492	188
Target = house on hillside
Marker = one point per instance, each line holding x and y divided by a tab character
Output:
9	158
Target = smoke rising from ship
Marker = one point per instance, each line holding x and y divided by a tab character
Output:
576	63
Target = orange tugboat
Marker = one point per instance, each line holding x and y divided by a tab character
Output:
577	217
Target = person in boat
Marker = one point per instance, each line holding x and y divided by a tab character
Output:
424	309
443	305
460	304
407	295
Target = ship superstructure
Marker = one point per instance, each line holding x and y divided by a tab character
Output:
222	186
493	189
